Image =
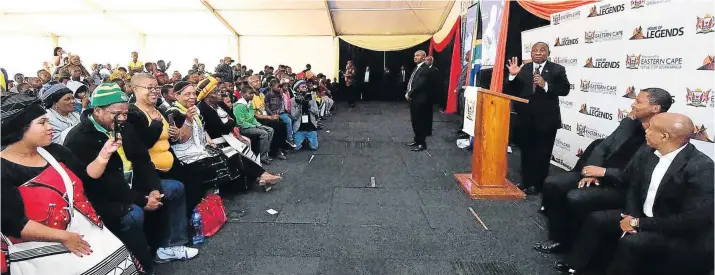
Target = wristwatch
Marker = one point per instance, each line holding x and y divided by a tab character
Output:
634	222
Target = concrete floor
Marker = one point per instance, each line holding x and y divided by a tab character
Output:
416	220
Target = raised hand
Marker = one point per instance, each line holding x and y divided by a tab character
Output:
513	66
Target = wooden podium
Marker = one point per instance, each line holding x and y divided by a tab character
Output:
491	139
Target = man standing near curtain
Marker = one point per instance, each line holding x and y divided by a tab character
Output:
419	96
541	82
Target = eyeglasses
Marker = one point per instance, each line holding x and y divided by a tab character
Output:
155	88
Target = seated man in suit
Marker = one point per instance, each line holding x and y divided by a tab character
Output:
669	205
569	197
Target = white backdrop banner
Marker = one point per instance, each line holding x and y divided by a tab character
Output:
612	51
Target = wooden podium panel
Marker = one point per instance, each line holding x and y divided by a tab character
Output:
489	155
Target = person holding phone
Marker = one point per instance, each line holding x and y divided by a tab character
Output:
129	189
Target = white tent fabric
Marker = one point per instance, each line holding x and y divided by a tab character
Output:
293	32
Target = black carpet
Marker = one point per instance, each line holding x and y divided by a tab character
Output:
416	220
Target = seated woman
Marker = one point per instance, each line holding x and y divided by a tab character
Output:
221	127
34	191
60	104
196	150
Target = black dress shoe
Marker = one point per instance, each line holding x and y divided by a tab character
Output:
419	148
521	186
411	143
562	266
550	247
531	190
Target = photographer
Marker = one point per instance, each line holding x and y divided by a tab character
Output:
304	110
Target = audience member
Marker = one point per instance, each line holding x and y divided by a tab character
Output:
130	187
244	113
61	113
276	107
32	179
304	111
272	121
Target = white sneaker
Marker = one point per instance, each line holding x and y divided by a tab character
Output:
168	254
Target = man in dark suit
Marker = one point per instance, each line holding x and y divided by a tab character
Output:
569	197
669	206
419	95
541	82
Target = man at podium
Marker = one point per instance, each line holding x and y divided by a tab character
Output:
541	82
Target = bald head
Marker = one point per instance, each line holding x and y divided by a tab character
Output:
137	78
669	130
420	56
429	60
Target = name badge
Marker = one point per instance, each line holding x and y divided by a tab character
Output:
304	119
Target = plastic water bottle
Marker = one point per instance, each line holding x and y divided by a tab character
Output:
198	228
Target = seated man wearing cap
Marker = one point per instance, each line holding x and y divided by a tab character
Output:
130	187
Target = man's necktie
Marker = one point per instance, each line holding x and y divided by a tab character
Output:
537	71
409	84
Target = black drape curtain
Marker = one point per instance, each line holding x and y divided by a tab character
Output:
443	62
382	86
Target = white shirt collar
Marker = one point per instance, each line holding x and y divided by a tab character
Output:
418	65
242	101
542	63
670	156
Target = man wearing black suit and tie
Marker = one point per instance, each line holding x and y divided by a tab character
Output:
668	213
541	82
419	95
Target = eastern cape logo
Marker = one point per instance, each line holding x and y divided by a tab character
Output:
585	131
699	98
630	92
565	61
701	134
705	24
598	87
636	4
656	32
601	63
557	18
708	63
602	36
650	62
622	113
605	9
595	112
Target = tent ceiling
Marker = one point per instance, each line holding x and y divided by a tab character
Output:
191	17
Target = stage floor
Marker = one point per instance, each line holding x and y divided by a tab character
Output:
416	220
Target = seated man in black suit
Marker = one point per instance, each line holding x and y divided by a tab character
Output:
669	206
569	197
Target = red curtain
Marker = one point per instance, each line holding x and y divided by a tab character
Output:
545	9
455	68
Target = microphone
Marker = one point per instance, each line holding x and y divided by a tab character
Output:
538	70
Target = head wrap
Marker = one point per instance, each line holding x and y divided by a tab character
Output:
297	84
52	92
18	111
75	86
205	87
108	94
180	86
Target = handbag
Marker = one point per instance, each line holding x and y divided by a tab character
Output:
213	214
109	255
